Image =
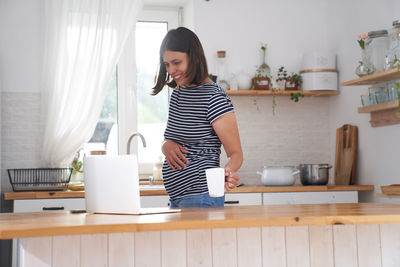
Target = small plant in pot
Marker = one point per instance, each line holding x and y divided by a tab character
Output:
281	78
293	82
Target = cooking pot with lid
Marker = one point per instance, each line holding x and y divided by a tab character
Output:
278	176
314	174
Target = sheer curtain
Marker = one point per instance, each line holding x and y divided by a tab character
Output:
83	41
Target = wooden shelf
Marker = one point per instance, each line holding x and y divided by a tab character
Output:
375	78
379	107
281	92
384	113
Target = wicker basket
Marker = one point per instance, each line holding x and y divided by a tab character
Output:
45	179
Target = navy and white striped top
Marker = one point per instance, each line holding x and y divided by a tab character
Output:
191	112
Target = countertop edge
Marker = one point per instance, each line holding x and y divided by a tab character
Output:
19	225
160	192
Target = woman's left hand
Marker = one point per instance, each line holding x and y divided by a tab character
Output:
231	179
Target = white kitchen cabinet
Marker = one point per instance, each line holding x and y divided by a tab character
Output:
242	199
33	205
154	201
310	197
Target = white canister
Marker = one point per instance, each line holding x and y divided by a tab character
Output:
319	79
319	60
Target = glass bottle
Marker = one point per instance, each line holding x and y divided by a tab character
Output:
221	69
377	47
264	70
394	43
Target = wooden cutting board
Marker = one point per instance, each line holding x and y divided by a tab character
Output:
346	154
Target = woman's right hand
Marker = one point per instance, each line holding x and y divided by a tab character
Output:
174	154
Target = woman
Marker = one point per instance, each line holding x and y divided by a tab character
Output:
200	119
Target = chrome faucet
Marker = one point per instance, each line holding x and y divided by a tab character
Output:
128	148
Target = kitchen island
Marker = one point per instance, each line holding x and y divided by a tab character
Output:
361	234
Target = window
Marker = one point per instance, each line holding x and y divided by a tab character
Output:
151	110
129	107
105	136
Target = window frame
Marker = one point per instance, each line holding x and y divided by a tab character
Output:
127	82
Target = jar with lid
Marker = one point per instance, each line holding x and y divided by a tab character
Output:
394	42
378	49
222	69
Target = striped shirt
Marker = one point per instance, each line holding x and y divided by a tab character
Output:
191	112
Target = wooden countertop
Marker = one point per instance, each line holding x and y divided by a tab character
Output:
19	225
151	192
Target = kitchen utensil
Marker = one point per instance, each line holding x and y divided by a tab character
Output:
278	176
319	79
346	155
41	179
314	174
318	60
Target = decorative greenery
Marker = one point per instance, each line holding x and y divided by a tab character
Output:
77	163
282	74
361	41
295	96
296	79
396	61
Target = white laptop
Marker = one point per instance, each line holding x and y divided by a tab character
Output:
112	186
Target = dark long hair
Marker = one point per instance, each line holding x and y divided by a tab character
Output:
186	41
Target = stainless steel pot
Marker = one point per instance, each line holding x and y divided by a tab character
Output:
314	174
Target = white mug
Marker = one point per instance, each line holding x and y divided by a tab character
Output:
216	181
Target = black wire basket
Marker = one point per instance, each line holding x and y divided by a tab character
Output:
45	179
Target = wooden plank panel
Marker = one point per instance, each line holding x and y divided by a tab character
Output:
321	246
273	246
94	250
121	250
66	251
171	242
297	246
223	244
369	245
345	245
36	252
199	248
249	247
148	249
390	242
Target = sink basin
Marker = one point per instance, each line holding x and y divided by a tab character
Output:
151	187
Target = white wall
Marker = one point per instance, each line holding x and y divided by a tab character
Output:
20	46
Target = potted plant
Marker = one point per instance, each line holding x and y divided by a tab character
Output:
281	78
293	81
261	82
262	79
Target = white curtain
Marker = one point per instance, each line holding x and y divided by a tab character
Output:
83	42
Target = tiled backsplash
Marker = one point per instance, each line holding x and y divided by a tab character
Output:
21	133
298	133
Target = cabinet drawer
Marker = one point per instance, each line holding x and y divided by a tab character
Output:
310	197
33	205
242	199
154	201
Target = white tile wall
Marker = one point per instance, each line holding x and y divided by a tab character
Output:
21	133
298	133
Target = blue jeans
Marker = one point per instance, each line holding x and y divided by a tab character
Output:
202	200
